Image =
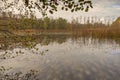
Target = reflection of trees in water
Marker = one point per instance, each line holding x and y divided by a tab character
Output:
87	40
8	45
32	74
10	54
13	54
30	41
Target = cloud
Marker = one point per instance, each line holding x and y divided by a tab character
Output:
101	8
106	7
116	6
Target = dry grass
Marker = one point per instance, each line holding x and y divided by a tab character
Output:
91	31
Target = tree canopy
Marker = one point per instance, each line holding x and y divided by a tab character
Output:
45	6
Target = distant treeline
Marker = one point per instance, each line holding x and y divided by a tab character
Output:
10	21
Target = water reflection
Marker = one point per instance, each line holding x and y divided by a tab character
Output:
60	58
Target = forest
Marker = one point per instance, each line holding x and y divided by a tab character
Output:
19	24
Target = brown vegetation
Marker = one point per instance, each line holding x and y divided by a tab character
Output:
30	25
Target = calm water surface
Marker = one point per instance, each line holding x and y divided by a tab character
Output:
72	59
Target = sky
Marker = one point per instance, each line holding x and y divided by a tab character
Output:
101	8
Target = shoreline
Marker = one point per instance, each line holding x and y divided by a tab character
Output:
94	32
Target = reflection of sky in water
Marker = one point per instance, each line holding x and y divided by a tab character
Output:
116	6
74	59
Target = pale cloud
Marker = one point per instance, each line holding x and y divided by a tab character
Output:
116	6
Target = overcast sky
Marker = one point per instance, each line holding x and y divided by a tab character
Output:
102	8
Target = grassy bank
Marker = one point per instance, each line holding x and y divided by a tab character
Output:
110	32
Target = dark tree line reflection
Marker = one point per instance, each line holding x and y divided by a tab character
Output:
9	43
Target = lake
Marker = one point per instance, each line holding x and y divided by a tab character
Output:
60	58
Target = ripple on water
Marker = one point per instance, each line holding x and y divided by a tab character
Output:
71	60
